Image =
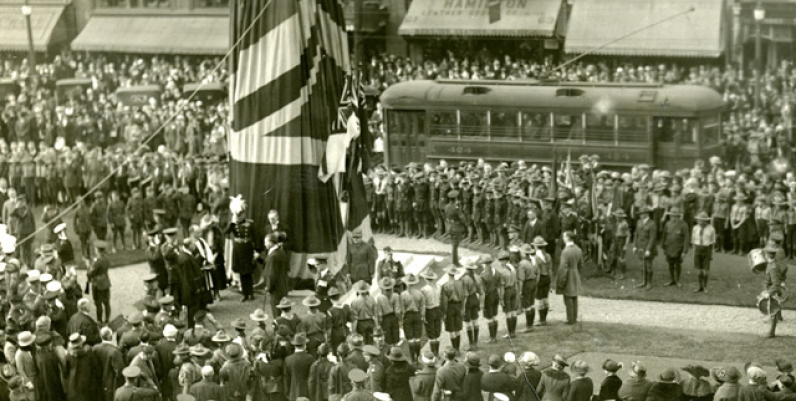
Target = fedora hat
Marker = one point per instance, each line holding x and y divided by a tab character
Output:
25	338
560	360
311	301
410	279
396	354
76	341
473	359
611	366
620	213
299	339
428	358
258	315
675	211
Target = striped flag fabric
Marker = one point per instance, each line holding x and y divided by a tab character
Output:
287	76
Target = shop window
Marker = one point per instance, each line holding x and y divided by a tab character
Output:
211	3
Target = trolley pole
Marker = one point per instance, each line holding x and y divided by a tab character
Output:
27	11
760	15
358	6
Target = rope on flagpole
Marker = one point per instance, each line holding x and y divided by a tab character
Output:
148	139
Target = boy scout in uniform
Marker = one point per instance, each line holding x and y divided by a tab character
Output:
493	293
433	313
473	291
510	286
313	323
527	277
451	303
413	304
363	312
389	311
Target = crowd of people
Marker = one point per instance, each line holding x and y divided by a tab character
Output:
150	173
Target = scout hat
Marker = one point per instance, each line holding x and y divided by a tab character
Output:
470	264
675	211
311	301
285	304
410	279
386	283
258	315
451	270
526	249
702	216
428	274
182	350
239	324
221	337
362	287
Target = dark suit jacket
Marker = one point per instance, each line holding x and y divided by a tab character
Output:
498	382
86	326
279	227
111	363
529	232
207	390
581	389
297	374
277	267
165	350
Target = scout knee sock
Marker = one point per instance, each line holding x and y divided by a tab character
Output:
470	334
543	315
677	270
475	335
492	330
672	269
455	342
434	345
530	315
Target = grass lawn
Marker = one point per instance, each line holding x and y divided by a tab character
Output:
731	282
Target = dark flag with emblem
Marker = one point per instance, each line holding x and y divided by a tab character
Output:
494	11
283	106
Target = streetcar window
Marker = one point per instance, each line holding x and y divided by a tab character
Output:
402	123
474	124
599	128
663	129
710	131
536	127
503	125
631	129
568	127
443	123
686	129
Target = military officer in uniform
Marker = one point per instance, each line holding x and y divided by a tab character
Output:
324	281
361	260
358	392
130	391
100	283
451	302
243	246
454	220
675	242
420	194
389	267
645	245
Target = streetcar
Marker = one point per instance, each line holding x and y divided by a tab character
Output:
667	126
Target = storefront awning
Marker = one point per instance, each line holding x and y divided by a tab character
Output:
647	28
204	35
45	24
472	18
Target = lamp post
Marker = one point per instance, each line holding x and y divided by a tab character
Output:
27	11
760	15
